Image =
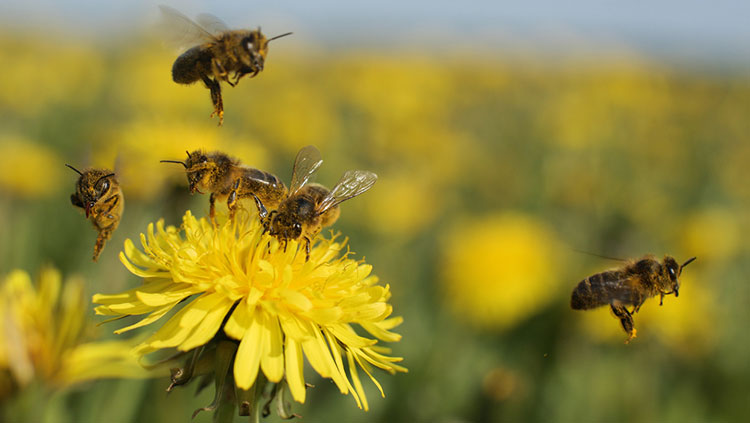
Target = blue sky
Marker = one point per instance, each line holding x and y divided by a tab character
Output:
705	29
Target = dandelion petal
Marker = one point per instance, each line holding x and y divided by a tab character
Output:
294	369
248	355
272	361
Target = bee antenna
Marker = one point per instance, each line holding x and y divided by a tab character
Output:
188	153
598	255
687	262
174	161
76	170
278	36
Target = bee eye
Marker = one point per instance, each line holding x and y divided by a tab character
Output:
105	185
297	226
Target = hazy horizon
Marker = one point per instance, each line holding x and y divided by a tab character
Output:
690	30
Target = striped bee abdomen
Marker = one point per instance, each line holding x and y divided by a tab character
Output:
597	290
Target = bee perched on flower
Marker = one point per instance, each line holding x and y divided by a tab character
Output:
254	309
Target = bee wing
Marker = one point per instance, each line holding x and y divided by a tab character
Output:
211	23
181	31
615	285
351	184
305	165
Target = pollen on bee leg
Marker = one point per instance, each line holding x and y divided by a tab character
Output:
631	335
101	239
220	114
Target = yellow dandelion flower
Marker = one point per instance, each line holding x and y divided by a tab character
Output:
508	273
233	281
42	334
27	168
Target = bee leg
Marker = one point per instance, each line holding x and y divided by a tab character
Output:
232	204
661	300
237	76
232	199
267	222
101	239
263	214
215	88
242	72
307	249
220	72
212	208
262	211
626	320
231	84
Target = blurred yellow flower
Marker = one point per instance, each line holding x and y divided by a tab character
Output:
626	102
28	169
143	83
429	150
42	334
713	234
46	73
402	205
289	112
500	269
269	299
396	90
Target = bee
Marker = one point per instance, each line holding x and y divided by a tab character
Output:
226	179
221	54
99	194
309	207
630	285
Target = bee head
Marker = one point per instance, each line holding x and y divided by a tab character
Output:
674	270
195	165
256	47
92	185
285	225
199	167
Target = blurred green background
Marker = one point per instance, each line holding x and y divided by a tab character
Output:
496	167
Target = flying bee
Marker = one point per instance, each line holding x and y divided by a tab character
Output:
99	194
221	54
630	285
309	206
226	179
